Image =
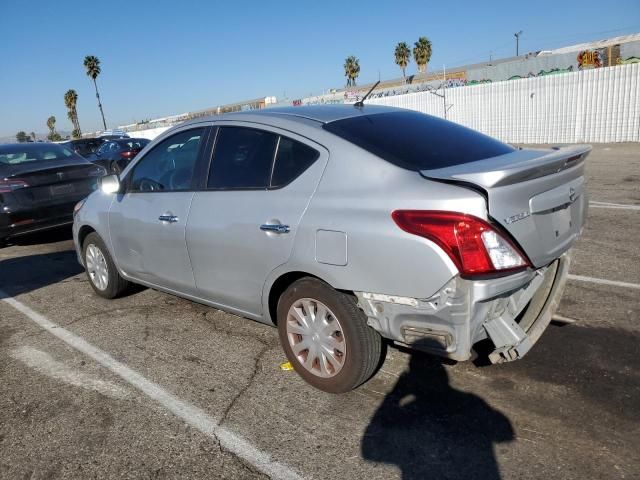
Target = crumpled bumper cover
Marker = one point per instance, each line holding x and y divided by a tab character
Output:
512	311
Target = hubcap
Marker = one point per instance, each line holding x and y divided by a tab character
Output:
97	267
316	337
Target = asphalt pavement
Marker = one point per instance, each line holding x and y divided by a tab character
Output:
154	386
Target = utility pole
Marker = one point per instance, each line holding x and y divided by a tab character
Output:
517	35
444	91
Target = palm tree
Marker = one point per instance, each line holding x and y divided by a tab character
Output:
351	70
71	100
422	53
403	57
51	125
92	65
53	135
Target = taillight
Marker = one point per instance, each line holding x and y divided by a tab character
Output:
475	246
8	185
129	154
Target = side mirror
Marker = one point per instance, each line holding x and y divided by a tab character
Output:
109	184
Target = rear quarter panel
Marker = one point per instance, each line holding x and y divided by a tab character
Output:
356	196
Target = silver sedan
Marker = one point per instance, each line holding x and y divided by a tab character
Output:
345	226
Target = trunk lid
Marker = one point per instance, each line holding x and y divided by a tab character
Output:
53	181
538	196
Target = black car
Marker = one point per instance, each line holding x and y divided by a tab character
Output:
115	155
40	183
84	146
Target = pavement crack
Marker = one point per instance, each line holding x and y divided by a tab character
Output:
265	348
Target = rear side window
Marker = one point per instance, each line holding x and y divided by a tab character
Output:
242	159
416	141
292	159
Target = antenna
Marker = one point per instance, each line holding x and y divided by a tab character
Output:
360	103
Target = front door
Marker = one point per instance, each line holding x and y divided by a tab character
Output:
147	223
243	225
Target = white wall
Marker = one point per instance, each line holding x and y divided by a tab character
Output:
150	133
599	105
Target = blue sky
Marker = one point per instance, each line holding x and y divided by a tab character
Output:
167	57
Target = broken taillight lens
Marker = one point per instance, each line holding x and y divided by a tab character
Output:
476	247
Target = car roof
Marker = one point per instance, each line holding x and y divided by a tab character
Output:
128	139
317	113
84	140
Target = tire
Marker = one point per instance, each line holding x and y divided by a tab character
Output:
356	349
105	280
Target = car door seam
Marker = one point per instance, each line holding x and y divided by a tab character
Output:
186	243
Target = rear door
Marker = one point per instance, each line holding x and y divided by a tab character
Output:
243	224
147	223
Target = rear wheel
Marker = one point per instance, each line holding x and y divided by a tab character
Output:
326	337
101	270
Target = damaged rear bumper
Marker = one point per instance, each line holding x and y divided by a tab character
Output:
512	311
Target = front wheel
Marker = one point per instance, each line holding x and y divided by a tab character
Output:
101	270
325	336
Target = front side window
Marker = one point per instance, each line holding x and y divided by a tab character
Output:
104	148
169	166
242	159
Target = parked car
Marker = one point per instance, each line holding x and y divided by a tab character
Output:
115	155
40	183
84	146
113	134
342	226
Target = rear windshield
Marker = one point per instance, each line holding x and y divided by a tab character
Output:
416	141
24	153
132	144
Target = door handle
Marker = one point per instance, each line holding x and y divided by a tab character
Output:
275	228
168	218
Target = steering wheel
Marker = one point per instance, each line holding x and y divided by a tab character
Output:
178	178
148	185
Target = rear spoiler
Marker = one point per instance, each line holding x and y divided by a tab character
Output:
514	167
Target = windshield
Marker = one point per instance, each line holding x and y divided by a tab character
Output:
416	141
17	154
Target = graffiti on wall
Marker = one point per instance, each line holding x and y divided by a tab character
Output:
479	82
628	61
544	73
590	59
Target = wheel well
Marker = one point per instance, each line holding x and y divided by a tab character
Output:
282	283
82	234
278	288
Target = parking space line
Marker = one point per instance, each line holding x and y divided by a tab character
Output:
603	281
619	206
191	414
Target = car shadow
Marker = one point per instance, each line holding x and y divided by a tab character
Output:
59	234
429	429
25	274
